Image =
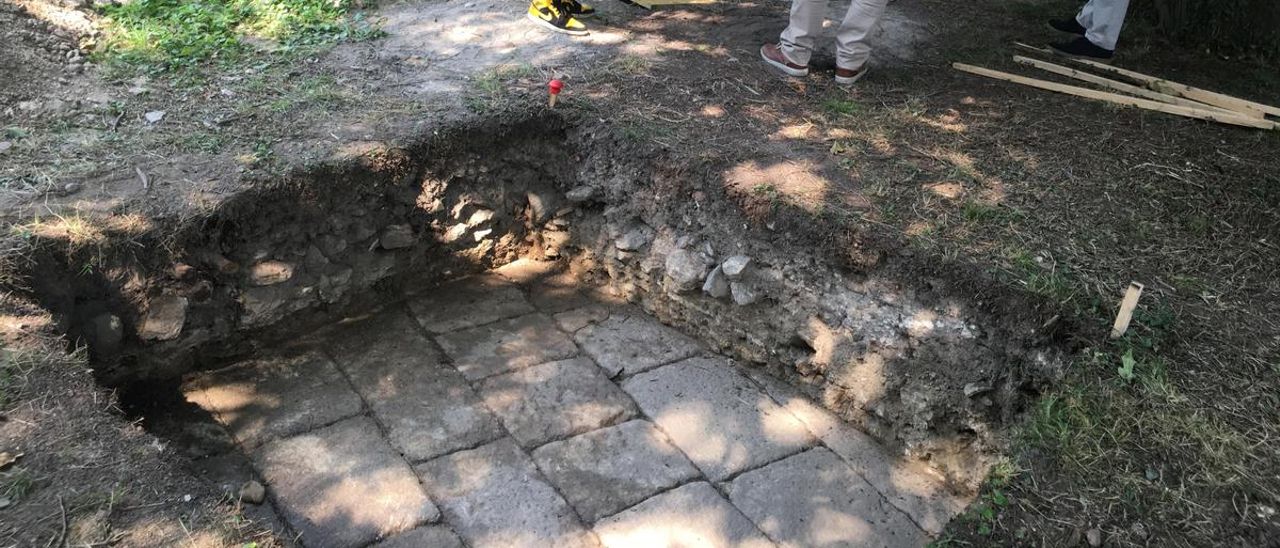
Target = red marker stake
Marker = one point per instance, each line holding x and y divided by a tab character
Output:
554	87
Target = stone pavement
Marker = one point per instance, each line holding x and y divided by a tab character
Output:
515	409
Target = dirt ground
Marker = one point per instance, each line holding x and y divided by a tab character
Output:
1060	199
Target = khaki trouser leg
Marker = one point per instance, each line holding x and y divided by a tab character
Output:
1102	20
799	39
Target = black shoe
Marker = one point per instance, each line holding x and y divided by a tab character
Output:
1082	47
1070	26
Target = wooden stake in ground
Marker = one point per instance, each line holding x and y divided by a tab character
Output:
1112	84
1169	87
1127	305
1190	112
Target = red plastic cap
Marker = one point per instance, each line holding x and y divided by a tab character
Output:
555	86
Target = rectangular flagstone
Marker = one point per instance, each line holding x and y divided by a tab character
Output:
690	516
603	472
426	406
630	343
468	302
556	400
427	536
718	417
343	486
815	499
274	397
506	345
494	496
910	485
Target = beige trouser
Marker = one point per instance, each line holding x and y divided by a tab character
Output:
1102	20
851	38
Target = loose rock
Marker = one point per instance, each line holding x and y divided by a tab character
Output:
165	317
481	216
973	389
396	237
717	284
633	240
253	492
154	116
455	233
580	194
743	294
734	266
270	273
1093	537
685	270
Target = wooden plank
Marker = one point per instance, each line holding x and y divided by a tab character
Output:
1169	87
1247	108
1190	112
1112	84
649	4
1125	315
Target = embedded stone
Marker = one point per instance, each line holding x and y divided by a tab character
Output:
164	319
396	237
743	293
734	266
270	273
685	270
717	284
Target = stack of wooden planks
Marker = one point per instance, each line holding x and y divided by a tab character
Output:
1141	90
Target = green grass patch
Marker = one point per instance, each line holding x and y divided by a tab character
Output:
166	35
841	107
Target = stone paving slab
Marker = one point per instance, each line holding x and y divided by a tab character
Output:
632	343
343	485
274	397
494	496
426	406
553	289
814	499
468	302
603	472
506	345
556	400
718	417
690	516
427	536
910	485
575	319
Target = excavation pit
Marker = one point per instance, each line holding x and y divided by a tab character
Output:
464	340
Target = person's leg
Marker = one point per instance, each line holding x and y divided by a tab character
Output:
801	34
852	50
1106	17
1085	17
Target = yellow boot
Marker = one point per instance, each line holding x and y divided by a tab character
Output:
554	15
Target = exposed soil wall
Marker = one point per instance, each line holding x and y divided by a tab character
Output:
912	352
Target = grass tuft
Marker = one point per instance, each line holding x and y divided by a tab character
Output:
167	35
